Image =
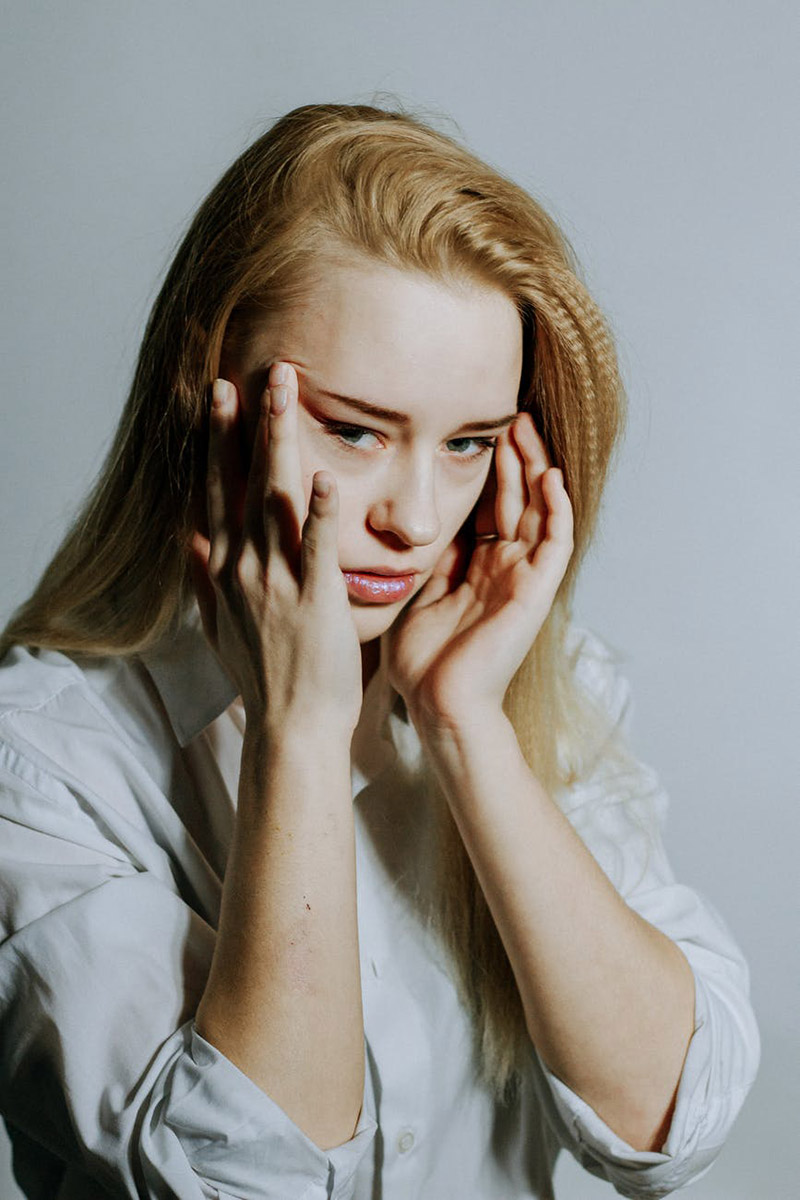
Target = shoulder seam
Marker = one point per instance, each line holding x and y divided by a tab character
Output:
33	708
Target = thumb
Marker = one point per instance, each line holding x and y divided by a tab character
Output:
447	575
455	558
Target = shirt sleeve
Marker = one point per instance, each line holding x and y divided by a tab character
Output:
102	964
619	813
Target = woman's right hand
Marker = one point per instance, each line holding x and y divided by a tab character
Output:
272	598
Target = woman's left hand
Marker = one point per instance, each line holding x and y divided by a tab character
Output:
456	647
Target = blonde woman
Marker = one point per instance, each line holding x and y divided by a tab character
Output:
326	868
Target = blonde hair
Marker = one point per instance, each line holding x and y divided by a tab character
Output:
383	183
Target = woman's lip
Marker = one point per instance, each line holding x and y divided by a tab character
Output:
381	571
378	589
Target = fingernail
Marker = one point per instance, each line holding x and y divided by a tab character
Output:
280	373
219	393
278	399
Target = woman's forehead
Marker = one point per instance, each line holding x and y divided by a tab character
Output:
384	335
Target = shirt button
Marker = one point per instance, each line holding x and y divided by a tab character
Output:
405	1141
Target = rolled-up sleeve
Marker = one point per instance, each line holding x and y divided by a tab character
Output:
619	812
102	965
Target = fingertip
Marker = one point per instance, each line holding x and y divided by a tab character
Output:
280	372
322	484
521	422
279	399
220	394
558	491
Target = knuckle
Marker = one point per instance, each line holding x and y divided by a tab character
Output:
215	573
311	541
226	577
273	447
277	579
217	563
274	499
244	573
316	534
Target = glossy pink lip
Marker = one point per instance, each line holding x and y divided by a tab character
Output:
394	572
377	588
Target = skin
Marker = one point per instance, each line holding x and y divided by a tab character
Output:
410	344
608	999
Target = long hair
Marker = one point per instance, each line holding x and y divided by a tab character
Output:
367	180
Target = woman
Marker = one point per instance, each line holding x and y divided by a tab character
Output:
326	868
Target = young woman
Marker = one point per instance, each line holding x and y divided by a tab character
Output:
326	869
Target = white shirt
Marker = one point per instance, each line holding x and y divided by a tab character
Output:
118	783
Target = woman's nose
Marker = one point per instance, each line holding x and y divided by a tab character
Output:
408	509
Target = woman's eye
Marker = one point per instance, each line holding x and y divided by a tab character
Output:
345	432
483	445
349	436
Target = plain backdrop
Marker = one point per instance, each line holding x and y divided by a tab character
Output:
662	136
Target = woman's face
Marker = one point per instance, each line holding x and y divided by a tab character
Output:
447	364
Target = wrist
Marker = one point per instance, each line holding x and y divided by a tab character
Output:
296	730
308	751
464	727
472	754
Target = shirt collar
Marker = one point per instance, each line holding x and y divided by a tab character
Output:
195	689
190	679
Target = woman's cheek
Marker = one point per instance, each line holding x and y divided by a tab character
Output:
312	456
474	493
313	459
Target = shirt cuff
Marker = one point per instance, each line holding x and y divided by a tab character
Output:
240	1142
697	1131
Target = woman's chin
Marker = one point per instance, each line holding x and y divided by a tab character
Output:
371	620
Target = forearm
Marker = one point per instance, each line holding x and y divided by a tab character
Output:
608	999
283	999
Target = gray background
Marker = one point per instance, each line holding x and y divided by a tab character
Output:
661	136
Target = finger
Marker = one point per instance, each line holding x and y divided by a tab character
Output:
531	444
199	553
319	551
451	599
512	493
451	566
253	518
555	548
448	574
535	462
223	475
482	519
284	497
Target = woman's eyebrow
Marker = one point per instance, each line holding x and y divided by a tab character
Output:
401	418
